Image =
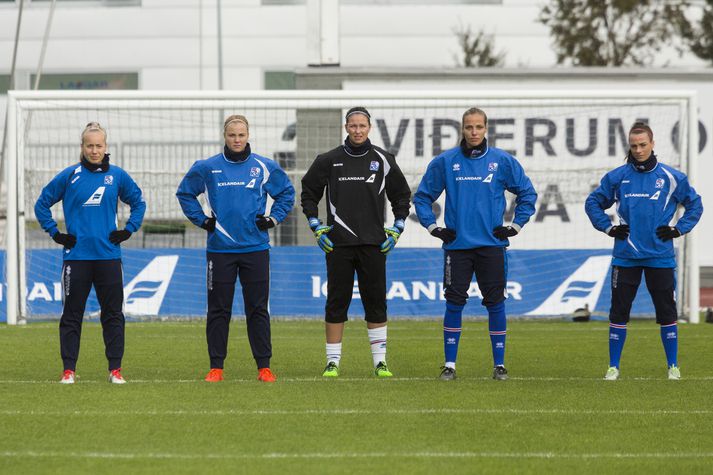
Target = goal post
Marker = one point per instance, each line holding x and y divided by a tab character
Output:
565	140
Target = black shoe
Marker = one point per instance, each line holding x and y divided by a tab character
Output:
500	373
447	374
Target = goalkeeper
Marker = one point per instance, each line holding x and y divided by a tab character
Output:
647	194
358	177
90	192
474	177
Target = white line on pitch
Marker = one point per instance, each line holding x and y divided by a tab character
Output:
281	412
318	379
370	455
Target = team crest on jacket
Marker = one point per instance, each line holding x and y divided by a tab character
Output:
492	166
254	171
456	167
109	179
374	166
659	183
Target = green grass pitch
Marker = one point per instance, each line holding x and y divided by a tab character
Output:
555	414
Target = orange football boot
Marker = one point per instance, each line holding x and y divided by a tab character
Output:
214	375
266	376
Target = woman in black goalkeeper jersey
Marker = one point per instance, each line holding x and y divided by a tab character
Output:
358	177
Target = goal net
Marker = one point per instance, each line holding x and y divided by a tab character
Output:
565	141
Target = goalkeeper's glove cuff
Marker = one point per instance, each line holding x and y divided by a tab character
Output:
400	224
313	223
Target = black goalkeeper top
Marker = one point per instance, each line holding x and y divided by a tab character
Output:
357	180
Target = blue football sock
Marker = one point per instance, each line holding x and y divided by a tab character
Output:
451	331
497	324
669	338
617	337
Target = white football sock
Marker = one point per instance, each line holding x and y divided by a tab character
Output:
334	352
377	339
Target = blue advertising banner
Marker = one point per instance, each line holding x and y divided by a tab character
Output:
171	282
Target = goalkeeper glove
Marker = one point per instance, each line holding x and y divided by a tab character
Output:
504	232
66	240
320	234
117	237
392	236
619	232
264	223
666	233
446	235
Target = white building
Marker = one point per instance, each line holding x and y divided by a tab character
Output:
173	44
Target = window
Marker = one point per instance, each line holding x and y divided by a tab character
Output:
279	80
88	81
4	82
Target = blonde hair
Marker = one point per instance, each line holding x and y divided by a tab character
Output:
235	118
93	127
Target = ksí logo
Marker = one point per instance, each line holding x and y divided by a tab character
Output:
109	180
374	166
659	183
492	166
254	172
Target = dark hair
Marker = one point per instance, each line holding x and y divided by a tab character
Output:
641	128
473	111
358	110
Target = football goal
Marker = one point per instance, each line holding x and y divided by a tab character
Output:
566	141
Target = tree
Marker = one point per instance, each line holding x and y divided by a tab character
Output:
614	32
700	37
478	49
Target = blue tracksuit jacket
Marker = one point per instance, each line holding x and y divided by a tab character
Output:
89	201
475	195
644	201
237	193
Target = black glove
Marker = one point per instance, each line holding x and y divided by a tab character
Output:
117	237
67	240
619	232
444	234
209	224
263	222
504	232
666	233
